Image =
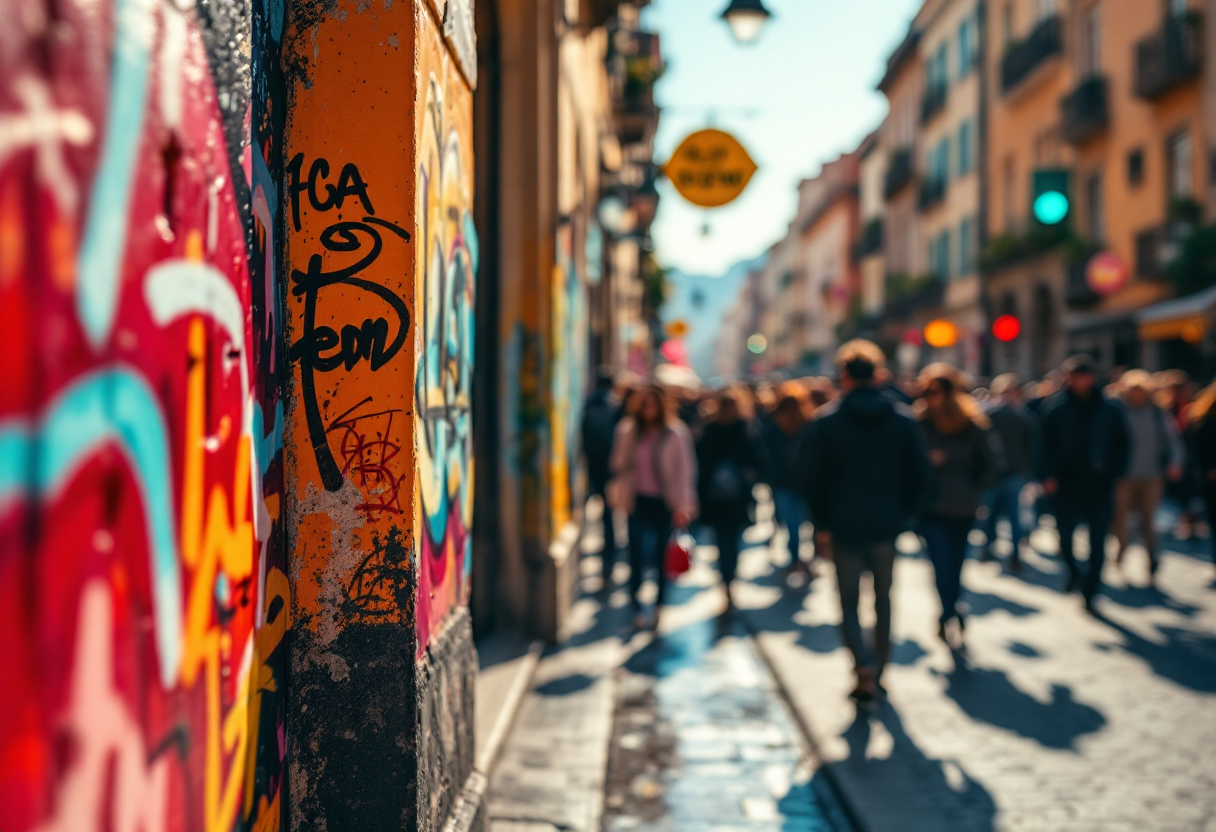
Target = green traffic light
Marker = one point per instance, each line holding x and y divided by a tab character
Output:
1051	207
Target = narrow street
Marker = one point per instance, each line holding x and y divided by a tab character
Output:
683	731
1048	721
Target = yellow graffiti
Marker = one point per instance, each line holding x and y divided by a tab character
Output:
267	639
210	543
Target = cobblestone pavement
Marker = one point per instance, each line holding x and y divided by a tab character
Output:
683	731
1050	720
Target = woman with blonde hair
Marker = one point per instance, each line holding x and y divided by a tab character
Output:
783	433
654	471
964	458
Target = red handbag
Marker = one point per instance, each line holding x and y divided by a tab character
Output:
678	558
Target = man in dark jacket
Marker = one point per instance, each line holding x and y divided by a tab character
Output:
1084	449
1014	425
601	412
866	477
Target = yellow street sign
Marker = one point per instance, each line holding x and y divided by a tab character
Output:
677	329
710	168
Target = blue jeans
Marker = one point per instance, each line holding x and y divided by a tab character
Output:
1004	501
946	541
1095	513
649	531
791	512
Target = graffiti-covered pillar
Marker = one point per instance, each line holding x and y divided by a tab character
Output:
381	256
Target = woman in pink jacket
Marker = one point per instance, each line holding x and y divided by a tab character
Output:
654	472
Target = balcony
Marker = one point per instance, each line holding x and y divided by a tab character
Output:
1170	58
1084	113
932	193
1158	247
1025	57
933	102
871	238
899	172
906	295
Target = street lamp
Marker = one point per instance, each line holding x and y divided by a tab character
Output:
746	18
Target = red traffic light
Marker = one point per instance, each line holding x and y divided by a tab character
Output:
1006	328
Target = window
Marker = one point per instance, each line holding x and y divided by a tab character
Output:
1091	43
966	46
1095	208
939	256
1135	167
941	161
966	148
1176	8
1046	9
966	246
1179	156
938	71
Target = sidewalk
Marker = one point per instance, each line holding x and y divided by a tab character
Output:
683	732
1051	721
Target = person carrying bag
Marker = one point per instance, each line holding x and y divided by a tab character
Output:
654	470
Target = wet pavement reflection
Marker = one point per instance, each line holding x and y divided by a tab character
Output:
702	741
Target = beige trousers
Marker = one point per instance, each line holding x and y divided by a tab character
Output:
1141	497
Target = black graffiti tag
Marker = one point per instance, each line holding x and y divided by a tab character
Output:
321	349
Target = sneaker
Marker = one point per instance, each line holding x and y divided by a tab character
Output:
866	690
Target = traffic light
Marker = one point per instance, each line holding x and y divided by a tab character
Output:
1051	203
1006	328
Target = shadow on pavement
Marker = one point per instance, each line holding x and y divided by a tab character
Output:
906	789
1143	597
984	603
1187	658
988	695
566	685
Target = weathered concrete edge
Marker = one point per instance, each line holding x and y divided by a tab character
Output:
838	795
506	717
468	811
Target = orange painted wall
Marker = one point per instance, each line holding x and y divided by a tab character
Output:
1137	124
1018	119
350	458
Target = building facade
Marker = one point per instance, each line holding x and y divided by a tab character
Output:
273	243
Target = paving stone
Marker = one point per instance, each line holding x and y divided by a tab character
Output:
1049	720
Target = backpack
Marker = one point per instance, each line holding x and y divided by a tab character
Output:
726	483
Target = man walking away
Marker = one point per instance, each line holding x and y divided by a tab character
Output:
1156	453
866	477
1013	423
1084	450
601	413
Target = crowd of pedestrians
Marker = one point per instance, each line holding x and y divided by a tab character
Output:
865	458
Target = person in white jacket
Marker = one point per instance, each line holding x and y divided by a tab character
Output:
1156	453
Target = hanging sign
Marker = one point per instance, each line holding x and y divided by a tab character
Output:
1107	273
710	168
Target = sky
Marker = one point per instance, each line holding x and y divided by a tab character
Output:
800	96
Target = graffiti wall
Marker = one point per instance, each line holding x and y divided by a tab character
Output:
568	378
143	588
446	271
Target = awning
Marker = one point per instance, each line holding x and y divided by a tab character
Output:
1188	318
